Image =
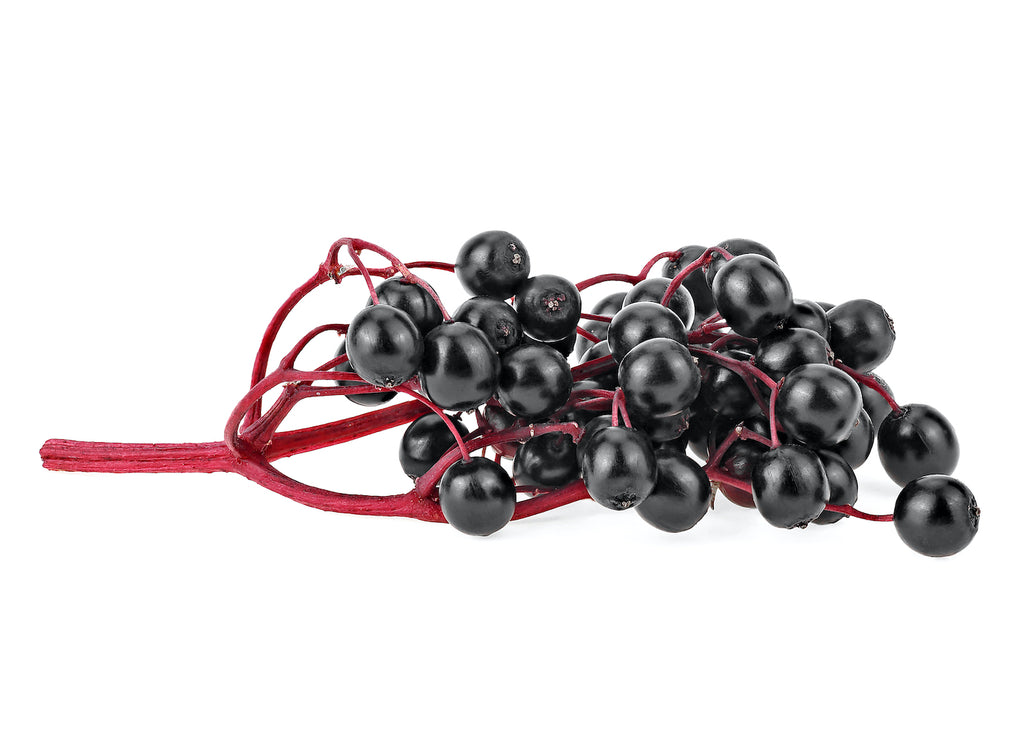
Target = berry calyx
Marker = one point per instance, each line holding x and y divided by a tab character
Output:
549	308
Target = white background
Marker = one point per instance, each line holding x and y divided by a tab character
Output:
170	175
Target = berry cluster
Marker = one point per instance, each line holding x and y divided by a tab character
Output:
715	358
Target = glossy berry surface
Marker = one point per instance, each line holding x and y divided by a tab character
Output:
562	346
701	416
843	487
862	334
695	283
856	448
460	368
593	427
608	379
652	290
369	399
818	404
936	515
549	308
808	315
424	442
916	441
639	322
724	390
578	414
790	487
535	381
876	406
663	428
619	468
681	494
384	346
493	264
739	461
498	321
610	304
783	350
598	329
546	461
752	294
411	298
659	377
477	497
736	247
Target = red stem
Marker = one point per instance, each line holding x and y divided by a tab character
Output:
608	277
447	421
870	382
771	418
716	475
426	483
407	273
654	261
365	273
700	262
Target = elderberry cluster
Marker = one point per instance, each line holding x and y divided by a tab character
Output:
713	359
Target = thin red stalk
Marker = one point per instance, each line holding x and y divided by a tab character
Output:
407	273
587	335
746	434
745	370
606	278
592	368
717	475
259	368
771	417
290	443
447	421
735	365
596	404
289	359
426	483
363	271
715	459
596	317
870	382
430	265
579	395
654	261
729	338
854	512
573	492
700	262
619	405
